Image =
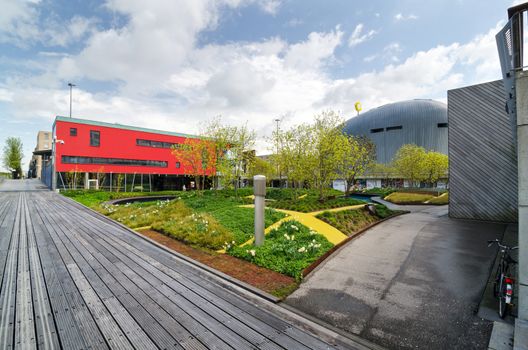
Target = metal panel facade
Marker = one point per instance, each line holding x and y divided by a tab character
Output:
419	121
482	160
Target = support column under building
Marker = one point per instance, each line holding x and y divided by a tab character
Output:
522	154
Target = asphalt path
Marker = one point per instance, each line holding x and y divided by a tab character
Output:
414	281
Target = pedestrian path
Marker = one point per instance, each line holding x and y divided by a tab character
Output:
74	279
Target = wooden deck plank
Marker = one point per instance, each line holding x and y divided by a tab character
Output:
183	335
69	304
221	315
83	282
192	310
8	289
25	337
104	321
46	332
156	332
289	339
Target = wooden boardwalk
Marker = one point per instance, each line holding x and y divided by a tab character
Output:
74	280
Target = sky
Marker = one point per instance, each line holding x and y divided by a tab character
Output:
175	64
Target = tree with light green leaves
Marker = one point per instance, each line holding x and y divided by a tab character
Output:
328	149
234	151
383	171
13	154
409	162
435	167
359	154
261	166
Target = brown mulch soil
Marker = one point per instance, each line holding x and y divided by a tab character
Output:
259	277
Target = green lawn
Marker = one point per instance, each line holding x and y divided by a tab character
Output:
408	198
417	198
288	249
215	207
351	221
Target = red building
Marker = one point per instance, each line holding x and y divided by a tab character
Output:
99	154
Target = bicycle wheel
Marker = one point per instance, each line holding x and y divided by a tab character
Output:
496	283
503	307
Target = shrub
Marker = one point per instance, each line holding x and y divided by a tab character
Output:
408	198
198	228
440	200
288	249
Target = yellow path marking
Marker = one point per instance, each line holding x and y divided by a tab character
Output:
309	220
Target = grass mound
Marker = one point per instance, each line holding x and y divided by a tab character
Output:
289	249
408	198
351	221
440	200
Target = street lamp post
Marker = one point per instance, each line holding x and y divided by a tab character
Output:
71	88
278	167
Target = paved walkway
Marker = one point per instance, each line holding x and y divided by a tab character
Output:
414	281
73	279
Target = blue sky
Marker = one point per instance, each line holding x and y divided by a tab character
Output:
174	64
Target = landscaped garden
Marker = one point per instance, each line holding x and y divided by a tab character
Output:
216	228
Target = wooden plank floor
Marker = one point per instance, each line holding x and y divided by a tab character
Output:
71	279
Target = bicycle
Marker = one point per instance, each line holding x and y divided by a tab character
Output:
503	285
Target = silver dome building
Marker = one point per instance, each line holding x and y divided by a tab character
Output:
420	122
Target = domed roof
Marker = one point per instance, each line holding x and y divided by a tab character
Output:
420	122
411	111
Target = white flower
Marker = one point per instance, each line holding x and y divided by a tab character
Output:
294	227
292	237
301	250
252	252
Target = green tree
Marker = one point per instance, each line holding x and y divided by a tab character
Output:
260	166
233	151
409	162
358	156
328	149
435	167
383	171
12	158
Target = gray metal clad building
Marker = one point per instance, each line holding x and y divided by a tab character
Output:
420	122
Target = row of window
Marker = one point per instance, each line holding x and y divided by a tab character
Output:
95	136
95	140
115	161
399	127
156	144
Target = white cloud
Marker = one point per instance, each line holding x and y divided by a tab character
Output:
401	17
22	25
359	37
311	53
389	53
165	81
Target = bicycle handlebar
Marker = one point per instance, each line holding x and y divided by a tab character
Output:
490	243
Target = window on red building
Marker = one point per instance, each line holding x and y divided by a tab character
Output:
73	131
95	139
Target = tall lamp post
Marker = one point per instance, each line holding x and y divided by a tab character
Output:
278	167
71	88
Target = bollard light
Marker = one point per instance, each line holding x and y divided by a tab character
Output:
259	190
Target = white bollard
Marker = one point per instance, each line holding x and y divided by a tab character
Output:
259	190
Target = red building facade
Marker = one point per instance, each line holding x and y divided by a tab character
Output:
94	148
